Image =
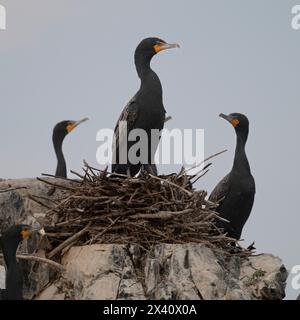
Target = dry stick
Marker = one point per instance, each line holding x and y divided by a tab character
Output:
105	230
59	234
171	183
199	177
61	178
40	259
68	241
77	174
93	168
43	260
163	215
58	205
56	185
45	198
31	197
205	160
12	189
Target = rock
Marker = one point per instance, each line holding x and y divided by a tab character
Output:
17	208
111	271
2	277
265	275
12	210
92	268
51	293
129	287
188	271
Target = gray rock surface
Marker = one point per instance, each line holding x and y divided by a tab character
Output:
189	271
2	277
109	271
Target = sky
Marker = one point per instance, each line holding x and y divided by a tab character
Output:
69	59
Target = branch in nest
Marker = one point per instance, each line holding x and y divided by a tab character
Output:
68	242
162	215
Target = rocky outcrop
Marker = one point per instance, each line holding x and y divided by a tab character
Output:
189	271
109	271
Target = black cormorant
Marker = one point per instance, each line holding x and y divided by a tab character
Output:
144	111
59	133
235	193
14	274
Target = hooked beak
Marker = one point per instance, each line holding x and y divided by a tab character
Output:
75	124
224	116
40	230
165	46
234	122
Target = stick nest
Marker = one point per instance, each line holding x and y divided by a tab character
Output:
145	210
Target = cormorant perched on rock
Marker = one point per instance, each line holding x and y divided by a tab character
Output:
235	193
59	133
14	274
144	111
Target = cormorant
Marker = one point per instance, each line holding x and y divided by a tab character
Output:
14	274
235	193
60	131
144	111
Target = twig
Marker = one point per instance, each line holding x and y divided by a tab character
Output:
51	263
68	241
171	183
12	189
55	184
163	215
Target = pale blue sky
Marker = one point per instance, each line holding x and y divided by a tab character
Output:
67	59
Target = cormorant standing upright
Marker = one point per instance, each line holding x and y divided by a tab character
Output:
14	274
144	111
60	131
235	193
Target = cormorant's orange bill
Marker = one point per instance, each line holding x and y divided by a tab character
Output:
25	233
72	125
164	46
235	122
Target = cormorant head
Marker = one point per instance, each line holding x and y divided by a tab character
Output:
151	46
238	120
62	128
17	233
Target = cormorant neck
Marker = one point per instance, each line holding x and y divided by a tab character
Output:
9	249
142	64
61	169
241	163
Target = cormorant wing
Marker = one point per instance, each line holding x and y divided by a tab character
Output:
129	114
221	190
